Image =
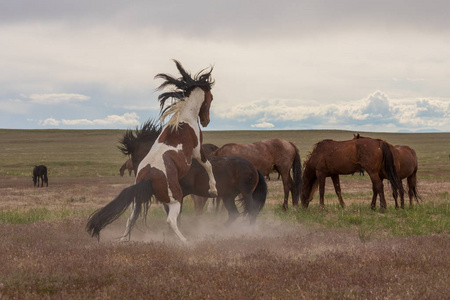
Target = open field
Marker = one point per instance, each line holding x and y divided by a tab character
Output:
353	253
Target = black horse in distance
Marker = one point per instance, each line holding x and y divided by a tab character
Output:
40	172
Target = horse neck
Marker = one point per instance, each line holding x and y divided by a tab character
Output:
191	108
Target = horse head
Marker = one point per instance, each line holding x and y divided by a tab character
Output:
196	88
204	109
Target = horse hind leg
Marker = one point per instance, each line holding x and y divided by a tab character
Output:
127	234
402	196
412	189
174	211
286	188
231	208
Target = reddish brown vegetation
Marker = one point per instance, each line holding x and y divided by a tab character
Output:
60	260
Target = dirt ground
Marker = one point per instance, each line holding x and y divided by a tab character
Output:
272	260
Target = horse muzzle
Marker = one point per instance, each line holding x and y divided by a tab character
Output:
204	122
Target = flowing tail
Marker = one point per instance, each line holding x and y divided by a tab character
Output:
140	193
390	170
253	206
297	176
412	191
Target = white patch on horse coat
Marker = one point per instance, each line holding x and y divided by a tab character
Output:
188	114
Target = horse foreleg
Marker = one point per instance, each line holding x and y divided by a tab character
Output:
337	189
212	181
321	180
174	211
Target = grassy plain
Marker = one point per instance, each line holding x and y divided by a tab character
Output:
350	253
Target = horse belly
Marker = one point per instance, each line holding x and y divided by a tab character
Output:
342	167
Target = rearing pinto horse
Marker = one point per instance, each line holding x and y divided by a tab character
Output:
332	158
170	157
234	175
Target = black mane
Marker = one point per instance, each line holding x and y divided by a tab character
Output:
183	85
148	131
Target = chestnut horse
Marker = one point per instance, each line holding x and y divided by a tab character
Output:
128	165
268	155
332	158
234	175
408	170
406	163
171	156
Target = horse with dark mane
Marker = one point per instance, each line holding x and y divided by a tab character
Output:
171	156
234	175
128	165
268	155
40	172
406	163
333	158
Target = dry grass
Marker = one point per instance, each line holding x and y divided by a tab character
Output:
58	260
282	257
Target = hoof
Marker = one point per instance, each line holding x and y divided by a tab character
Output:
213	193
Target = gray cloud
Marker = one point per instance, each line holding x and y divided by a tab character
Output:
233	18
296	64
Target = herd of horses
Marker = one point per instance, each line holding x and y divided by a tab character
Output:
170	162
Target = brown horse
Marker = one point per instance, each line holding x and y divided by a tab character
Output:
128	165
332	158
406	163
171	156
234	175
408	170
268	155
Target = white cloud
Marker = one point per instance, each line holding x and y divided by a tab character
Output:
376	111
127	119
263	125
49	122
49	99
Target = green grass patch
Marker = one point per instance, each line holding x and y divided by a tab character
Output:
427	218
33	215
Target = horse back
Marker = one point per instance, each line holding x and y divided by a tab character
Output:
331	157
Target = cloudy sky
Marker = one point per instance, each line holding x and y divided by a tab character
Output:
357	65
